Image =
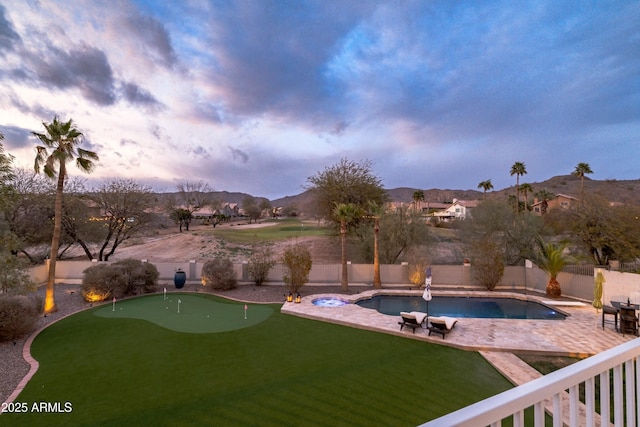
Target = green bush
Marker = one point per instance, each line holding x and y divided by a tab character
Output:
297	265
18	316
14	275
138	276
101	282
125	277
218	274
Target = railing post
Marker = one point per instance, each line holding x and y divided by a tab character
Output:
605	398
557	410
574	400
618	414
538	414
590	402
630	393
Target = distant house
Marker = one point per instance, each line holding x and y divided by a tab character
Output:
459	209
229	210
428	208
561	201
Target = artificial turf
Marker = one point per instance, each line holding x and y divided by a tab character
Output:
282	371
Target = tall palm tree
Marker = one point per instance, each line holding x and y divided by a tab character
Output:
59	146
551	259
525	189
518	169
418	196
376	211
581	170
486	186
345	213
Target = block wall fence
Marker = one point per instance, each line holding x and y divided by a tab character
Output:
618	286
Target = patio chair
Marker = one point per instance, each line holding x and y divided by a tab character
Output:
441	325
413	320
610	311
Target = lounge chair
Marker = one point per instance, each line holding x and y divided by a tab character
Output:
413	320
441	325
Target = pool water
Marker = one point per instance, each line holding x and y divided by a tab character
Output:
477	307
329	302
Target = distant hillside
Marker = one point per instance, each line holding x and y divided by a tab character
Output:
626	191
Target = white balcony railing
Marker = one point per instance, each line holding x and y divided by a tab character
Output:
549	393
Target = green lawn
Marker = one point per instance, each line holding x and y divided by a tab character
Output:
118	371
279	230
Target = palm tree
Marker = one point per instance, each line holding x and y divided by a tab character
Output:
518	169
486	186
581	170
60	145
525	189
418	196
551	259
376	211
345	213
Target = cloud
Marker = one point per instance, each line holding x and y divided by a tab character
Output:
276	65
15	137
8	36
237	154
149	37
134	94
83	67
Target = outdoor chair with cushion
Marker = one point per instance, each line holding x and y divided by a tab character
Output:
413	320
442	325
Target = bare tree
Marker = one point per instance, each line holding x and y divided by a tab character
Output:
192	196
124	206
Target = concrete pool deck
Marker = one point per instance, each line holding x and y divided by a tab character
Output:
580	334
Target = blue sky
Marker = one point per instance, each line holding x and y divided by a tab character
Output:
256	96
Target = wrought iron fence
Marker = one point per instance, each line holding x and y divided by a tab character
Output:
582	269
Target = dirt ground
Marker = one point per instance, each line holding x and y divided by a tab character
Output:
200	245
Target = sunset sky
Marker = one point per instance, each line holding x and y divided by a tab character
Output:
256	96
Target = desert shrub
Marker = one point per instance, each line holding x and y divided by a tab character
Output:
297	263
487	263
125	277
101	282
18	316
14	277
218	274
138	276
260	262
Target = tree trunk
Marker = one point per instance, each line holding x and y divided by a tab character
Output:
553	288
49	298
344	282
377	283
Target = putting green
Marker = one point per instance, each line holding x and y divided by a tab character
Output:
191	313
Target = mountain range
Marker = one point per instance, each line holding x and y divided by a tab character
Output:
619	191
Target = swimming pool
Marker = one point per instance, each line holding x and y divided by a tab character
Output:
477	307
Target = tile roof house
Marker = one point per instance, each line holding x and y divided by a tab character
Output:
561	201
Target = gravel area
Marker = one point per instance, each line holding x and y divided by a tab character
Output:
13	367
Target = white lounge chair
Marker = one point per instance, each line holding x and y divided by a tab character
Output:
441	325
413	319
